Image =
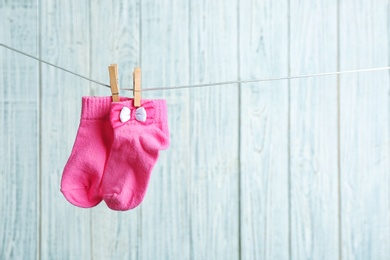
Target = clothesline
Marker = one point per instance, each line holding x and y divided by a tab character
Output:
53	65
203	85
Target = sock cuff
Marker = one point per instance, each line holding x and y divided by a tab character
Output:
159	106
161	114
99	107
96	107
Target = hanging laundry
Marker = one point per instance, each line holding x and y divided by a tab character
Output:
135	149
116	148
112	159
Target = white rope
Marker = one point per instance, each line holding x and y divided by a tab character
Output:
265	79
208	84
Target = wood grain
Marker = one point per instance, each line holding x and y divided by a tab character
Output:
114	39
274	170
137	87
365	130
114	82
264	130
164	61
19	136
65	231
214	171
313	131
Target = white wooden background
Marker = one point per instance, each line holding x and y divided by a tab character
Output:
293	169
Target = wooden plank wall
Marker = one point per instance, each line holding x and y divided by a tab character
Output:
293	169
19	139
313	131
364	131
264	137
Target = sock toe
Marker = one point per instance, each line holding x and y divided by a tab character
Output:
81	197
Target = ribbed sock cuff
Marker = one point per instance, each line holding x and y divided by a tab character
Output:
96	107
99	107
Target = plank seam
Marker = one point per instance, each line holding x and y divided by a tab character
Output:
289	124
338	134
91	241
191	242
39	128
239	110
139	231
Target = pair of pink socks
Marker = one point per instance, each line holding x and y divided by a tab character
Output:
115	150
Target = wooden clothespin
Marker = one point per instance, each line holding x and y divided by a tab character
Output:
137	87
113	71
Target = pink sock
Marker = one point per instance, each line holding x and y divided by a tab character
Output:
139	135
83	172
